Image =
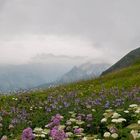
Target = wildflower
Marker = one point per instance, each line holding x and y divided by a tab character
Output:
69	134
75	127
42	136
120	120
11	126
68	123
72	120
133	105
107	105
103	120
93	110
88	106
113	129
139	122
56	120
80	122
85	138
114	135
61	127
135	134
89	117
38	130
137	111
4	138
126	111
27	134
109	110
71	112
107	134
78	130
57	134
115	115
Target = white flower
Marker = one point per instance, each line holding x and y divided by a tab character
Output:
114	120
72	120
109	110
93	110
4	138
42	135
137	111
69	134
135	134
68	123
105	114
103	120
115	115
120	120
38	130
85	138
107	134
62	127
133	105
126	111
115	135
139	122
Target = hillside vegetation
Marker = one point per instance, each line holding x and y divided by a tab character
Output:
126	61
107	107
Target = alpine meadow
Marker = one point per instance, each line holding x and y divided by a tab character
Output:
69	70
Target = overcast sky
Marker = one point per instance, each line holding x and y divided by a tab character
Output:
97	29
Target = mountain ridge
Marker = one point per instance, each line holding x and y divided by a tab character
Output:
127	60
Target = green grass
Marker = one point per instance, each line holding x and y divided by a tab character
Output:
126	78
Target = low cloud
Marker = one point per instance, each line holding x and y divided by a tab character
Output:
98	29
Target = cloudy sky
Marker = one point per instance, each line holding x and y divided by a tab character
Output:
97	29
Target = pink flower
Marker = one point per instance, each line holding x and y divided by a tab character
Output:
27	134
57	134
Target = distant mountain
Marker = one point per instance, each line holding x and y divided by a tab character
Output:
82	72
126	61
26	76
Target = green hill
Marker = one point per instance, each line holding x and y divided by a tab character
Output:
84	100
126	61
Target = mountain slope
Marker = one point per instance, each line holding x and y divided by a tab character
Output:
83	72
127	60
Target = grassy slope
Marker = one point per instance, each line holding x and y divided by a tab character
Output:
124	62
125	78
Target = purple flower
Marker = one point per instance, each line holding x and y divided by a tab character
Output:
78	130
56	120
57	134
27	134
89	117
107	105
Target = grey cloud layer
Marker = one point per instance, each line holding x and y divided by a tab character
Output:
112	25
